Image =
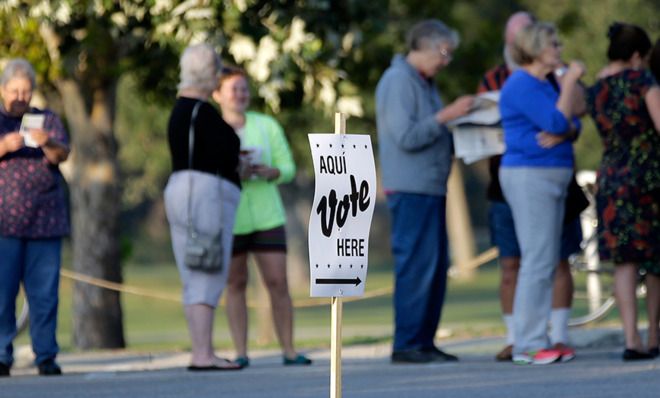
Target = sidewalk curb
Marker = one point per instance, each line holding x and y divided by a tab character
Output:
127	360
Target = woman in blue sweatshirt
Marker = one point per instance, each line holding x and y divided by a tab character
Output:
535	171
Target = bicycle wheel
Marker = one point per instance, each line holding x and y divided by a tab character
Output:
593	280
22	313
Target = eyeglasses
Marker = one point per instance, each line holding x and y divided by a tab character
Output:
446	54
556	44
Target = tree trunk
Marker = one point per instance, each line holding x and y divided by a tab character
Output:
96	205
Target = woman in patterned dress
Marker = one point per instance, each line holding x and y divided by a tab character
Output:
33	217
625	105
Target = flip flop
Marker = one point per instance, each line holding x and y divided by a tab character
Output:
214	367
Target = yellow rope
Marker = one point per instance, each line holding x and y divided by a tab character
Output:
478	261
118	287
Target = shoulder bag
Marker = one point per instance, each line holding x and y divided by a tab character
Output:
203	251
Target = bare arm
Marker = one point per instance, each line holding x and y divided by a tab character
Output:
579	101
652	99
571	92
55	151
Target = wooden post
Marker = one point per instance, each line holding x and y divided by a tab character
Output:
337	308
335	348
459	226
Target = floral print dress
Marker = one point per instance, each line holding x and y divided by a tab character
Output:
628	198
33	202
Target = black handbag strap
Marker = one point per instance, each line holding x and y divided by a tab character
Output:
191	146
191	134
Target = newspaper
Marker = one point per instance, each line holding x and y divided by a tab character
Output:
31	121
479	135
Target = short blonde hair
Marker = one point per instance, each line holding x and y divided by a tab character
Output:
200	65
531	41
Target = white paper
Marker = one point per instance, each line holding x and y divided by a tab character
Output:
472	143
251	155
343	206
478	135
485	111
31	121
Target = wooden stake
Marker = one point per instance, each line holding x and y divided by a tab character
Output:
335	348
340	123
337	308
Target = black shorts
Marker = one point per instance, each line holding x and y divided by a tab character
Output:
269	240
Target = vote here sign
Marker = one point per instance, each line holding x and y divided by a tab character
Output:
344	201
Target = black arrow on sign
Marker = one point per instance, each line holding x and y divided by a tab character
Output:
320	281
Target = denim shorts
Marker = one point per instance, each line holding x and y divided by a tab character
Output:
503	232
571	237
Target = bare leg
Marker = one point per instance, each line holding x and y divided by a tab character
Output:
625	285
510	267
200	326
562	290
273	271
562	299
653	308
237	314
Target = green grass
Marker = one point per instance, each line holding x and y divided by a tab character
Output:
471	310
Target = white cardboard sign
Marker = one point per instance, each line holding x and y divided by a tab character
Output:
344	201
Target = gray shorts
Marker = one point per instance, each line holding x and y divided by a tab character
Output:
214	204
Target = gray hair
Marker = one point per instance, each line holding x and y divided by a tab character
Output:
200	65
18	67
429	33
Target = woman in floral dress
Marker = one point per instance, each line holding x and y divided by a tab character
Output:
625	104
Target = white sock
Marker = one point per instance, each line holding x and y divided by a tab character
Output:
508	322
559	325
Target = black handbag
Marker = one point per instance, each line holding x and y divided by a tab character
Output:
203	251
576	201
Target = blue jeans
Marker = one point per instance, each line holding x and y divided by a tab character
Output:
36	263
419	246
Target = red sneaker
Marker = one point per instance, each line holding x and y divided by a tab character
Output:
567	353
540	357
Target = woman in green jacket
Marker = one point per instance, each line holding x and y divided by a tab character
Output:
266	161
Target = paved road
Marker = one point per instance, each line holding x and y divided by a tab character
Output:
367	373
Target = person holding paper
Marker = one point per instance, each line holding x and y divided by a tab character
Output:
33	217
259	228
503	233
534	177
415	155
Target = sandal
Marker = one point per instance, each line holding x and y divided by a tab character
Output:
244	362
229	365
298	360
